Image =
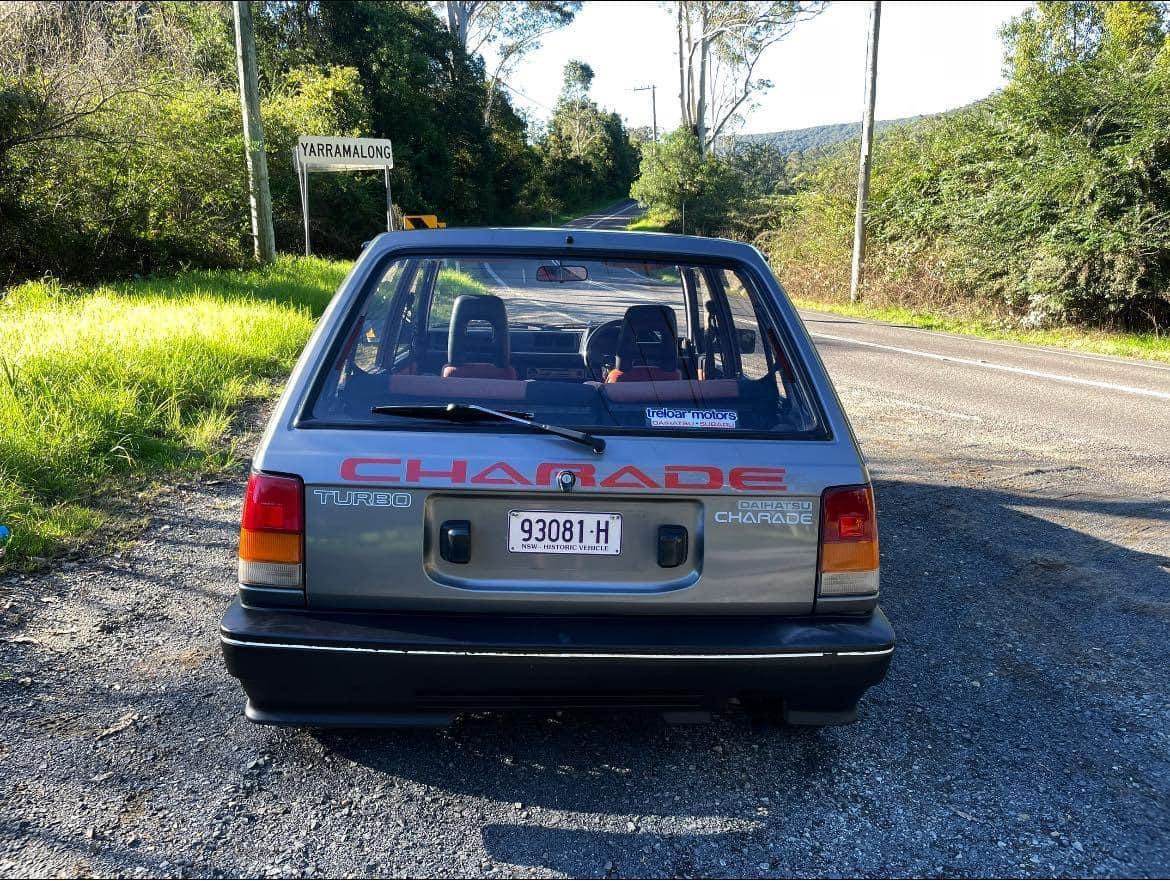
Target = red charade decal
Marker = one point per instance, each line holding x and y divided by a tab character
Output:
381	469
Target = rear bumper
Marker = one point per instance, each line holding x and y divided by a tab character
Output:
304	667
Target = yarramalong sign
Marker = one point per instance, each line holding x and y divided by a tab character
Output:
314	153
343	154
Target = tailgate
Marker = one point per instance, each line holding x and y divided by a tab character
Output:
380	544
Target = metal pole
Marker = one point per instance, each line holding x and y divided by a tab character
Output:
875	18
305	207
389	203
259	197
652	89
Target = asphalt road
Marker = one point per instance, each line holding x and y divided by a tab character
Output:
614	216
1023	729
1093	402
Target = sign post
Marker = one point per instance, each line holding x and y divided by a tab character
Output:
341	154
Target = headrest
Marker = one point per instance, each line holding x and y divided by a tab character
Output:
648	338
478	307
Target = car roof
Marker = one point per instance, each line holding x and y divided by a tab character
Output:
562	239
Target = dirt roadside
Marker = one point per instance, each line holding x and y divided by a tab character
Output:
1022	731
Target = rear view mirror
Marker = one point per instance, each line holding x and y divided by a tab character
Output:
562	273
746	340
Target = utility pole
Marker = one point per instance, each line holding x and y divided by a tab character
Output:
653	90
259	197
875	19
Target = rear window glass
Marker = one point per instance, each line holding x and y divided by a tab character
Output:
598	345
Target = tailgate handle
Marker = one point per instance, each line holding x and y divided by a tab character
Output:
455	541
672	546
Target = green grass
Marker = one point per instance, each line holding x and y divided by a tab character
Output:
105	385
1100	342
651	221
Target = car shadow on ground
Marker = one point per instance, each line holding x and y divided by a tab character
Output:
1029	682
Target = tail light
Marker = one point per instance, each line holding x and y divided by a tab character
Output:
849	542
271	531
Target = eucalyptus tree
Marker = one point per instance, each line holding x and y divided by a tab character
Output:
720	44
508	31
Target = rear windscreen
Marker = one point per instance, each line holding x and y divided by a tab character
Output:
603	345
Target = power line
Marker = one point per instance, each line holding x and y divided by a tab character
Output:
528	98
653	90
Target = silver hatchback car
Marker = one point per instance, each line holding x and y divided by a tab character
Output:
556	468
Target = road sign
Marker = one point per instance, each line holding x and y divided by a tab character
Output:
344	154
314	153
422	221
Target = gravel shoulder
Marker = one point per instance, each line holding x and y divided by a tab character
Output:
1022	730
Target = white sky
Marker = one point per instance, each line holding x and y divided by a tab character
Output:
933	56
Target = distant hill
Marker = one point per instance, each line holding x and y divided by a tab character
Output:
818	137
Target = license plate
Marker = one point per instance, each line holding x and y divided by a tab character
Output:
564	532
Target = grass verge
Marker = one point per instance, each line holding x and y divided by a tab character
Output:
101	386
652	221
1126	345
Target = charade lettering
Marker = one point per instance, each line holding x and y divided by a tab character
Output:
506	476
693	477
629	477
772	518
457	473
373	468
682	478
754	479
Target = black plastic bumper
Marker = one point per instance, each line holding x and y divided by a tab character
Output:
302	667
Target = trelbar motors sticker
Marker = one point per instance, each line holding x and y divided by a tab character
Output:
671	417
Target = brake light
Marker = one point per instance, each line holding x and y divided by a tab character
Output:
271	531
849	542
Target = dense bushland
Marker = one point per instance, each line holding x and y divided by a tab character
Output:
1046	203
121	151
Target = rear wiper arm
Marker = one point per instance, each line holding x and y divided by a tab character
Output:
463	412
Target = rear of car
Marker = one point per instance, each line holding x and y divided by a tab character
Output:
539	468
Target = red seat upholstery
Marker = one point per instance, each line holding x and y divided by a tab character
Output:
643	374
436	388
723	391
478	370
647	349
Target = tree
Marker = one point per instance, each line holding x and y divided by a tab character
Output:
588	152
511	29
64	66
1046	202
577	118
720	43
696	193
578	80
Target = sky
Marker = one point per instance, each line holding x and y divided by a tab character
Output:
932	56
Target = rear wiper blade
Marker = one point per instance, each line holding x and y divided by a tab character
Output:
464	412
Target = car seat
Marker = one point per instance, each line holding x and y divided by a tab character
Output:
489	309
647	349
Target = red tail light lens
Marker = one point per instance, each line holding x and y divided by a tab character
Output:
849	542
273	503
271	531
847	514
